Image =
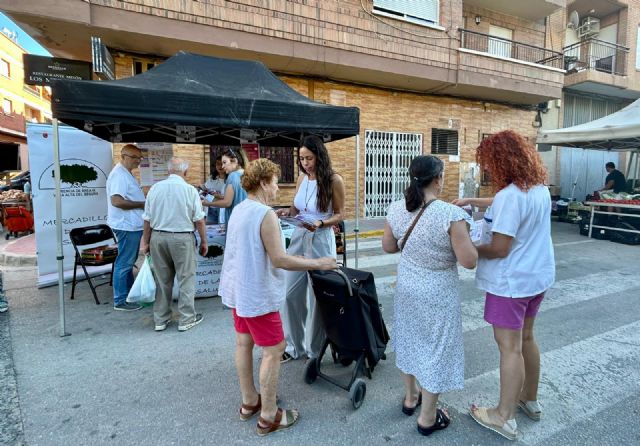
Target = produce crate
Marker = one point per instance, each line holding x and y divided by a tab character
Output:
99	254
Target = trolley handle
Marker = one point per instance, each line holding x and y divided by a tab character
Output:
346	280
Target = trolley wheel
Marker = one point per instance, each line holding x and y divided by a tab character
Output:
345	361
357	392
311	370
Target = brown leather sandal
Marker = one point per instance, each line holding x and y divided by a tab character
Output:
251	410
265	427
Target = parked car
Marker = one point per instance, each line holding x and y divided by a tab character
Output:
17	182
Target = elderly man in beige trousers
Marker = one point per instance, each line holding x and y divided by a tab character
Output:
172	209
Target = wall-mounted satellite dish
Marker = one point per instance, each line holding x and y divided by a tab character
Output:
574	20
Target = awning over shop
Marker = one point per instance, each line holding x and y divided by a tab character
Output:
191	98
618	131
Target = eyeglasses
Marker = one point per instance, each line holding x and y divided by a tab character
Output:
139	158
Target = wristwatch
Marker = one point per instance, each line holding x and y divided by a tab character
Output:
321	224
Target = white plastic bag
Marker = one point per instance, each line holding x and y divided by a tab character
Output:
143	290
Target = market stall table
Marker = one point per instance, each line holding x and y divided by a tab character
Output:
208	268
599	204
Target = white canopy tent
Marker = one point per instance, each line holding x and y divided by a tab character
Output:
619	131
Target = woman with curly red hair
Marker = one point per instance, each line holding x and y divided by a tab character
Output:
515	270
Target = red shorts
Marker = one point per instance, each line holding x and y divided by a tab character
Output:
265	330
510	312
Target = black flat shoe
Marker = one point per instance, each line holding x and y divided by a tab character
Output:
408	411
442	421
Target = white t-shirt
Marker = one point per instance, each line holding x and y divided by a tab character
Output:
249	282
121	182
529	268
173	205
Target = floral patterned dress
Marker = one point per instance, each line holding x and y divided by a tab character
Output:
427	328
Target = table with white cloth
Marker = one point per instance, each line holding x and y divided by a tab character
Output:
208	268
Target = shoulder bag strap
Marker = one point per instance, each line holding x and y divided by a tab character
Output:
415	220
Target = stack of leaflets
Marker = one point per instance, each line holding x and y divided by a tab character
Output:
299	221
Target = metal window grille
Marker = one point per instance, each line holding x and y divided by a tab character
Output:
285	157
387	159
444	142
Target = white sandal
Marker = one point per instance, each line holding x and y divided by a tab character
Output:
531	408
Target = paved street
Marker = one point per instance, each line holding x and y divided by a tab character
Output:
116	382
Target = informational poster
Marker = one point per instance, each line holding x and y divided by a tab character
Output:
209	267
85	163
252	149
153	168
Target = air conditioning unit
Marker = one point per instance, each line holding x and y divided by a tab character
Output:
590	27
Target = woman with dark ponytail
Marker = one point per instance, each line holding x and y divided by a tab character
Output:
427	331
319	200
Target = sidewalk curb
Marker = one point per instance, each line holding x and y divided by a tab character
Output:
10	259
366	234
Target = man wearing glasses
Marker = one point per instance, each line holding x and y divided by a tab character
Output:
125	206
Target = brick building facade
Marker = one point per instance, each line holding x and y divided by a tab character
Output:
457	65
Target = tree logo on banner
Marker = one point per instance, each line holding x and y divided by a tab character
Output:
75	174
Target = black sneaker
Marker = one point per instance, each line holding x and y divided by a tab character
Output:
127	307
192	324
286	357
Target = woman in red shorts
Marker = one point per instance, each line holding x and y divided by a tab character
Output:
515	270
254	287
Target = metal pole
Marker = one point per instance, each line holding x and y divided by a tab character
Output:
59	255
356	230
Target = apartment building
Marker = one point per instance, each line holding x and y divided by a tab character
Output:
602	63
21	103
434	76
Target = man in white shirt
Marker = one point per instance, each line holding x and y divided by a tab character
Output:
124	215
172	209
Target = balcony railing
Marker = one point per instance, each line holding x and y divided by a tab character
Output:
594	54
511	49
12	121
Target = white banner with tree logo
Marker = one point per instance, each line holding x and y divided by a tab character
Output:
85	163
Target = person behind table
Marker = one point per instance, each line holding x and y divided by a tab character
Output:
319	199
125	205
428	344
234	161
615	179
171	212
515	270
253	286
215	184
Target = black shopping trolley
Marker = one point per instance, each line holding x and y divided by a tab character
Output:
348	306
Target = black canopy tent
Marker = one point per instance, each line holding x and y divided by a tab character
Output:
196	99
191	98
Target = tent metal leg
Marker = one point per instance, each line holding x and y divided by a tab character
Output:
59	254
356	230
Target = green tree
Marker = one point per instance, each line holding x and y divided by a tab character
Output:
76	174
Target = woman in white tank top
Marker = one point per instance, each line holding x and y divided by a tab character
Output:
254	259
319	199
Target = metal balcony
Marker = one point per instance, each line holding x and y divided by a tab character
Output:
594	54
510	49
12	122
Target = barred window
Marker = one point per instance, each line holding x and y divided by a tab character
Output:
444	142
285	157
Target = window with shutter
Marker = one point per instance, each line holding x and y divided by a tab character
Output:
444	142
424	12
